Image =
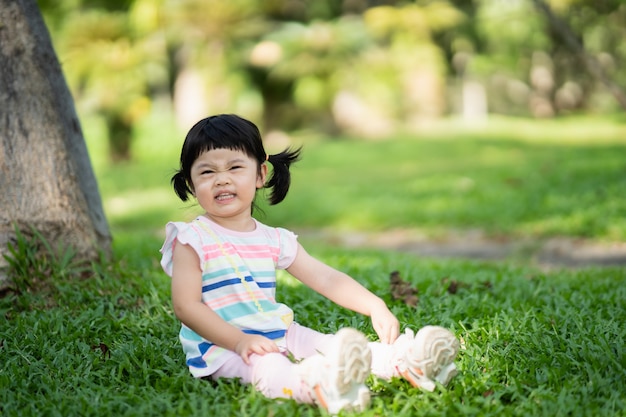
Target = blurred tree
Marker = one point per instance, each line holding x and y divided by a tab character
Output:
493	50
407	35
295	67
107	64
46	177
306	63
356	71
296	64
593	16
527	65
205	42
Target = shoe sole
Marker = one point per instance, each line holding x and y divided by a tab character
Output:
351	358
439	348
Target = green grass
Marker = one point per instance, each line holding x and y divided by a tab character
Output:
535	342
500	182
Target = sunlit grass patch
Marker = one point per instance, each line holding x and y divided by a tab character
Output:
138	201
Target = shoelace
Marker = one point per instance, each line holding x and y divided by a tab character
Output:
241	277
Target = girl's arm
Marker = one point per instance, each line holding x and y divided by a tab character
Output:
189	308
345	291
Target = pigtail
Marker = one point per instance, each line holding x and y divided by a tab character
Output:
280	179
181	187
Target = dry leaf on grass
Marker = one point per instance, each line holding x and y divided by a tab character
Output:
402	290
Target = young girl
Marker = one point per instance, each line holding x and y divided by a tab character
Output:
223	267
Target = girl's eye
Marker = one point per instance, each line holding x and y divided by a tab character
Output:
206	172
235	167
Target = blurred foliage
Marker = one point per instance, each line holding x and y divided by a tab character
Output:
365	68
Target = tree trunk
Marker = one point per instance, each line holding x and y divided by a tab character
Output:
46	179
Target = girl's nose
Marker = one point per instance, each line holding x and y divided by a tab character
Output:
222	178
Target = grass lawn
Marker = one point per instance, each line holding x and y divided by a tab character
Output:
534	342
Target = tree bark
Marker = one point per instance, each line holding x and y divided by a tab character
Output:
46	179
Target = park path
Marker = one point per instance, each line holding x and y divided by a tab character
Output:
552	252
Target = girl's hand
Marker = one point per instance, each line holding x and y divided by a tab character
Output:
385	324
253	343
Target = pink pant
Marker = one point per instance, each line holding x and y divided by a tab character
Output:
275	376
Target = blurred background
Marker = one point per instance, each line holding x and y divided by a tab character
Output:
372	89
362	67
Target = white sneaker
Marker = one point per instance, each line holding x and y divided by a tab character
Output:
336	379
426	358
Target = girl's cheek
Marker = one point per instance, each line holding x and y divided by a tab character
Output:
201	183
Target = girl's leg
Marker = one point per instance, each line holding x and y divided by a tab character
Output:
275	376
234	367
382	360
431	352
272	374
336	377
303	342
335	380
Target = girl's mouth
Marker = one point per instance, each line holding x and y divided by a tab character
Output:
225	196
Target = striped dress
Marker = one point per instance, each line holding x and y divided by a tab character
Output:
238	283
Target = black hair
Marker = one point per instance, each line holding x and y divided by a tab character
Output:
229	131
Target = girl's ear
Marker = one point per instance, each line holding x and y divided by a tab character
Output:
260	182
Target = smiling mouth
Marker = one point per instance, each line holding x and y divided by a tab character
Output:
225	196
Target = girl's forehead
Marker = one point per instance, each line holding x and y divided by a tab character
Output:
222	154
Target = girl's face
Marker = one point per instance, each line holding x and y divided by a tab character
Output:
225	182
